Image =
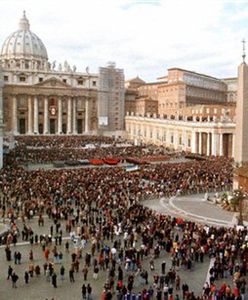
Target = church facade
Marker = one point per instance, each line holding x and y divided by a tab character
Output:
42	98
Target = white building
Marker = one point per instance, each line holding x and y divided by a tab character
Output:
211	137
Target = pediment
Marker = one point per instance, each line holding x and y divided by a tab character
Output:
53	82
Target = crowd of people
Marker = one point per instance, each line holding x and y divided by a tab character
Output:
102	213
44	149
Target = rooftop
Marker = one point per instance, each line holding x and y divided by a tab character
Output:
154	83
195	73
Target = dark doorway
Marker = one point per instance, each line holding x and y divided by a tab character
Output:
79	126
40	128
22	126
52	126
64	128
227	145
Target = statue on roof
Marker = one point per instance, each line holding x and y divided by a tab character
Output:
66	66
54	65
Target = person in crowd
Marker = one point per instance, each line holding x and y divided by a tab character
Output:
114	235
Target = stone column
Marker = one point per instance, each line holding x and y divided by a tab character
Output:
233	145
175	139
208	143
69	115
86	130
161	134
36	115
168	138
45	127
221	144
184	140
59	116
214	143
193	142
14	115
74	116
164	136
30	116
148	133
200	143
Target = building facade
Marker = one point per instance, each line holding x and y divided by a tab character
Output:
1	118
141	97
196	136
40	97
111	100
177	90
195	113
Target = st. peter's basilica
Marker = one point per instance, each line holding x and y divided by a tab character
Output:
40	97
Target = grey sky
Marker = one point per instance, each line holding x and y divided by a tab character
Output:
143	37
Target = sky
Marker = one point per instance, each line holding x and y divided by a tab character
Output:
144	37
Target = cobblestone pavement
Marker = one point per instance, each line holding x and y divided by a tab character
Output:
40	289
193	207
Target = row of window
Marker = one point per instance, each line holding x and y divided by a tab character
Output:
163	138
171	104
23	78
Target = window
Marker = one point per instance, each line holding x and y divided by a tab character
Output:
80	82
189	142
6	78
40	79
22	78
94	83
172	139
64	80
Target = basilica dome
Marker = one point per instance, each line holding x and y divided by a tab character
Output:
23	46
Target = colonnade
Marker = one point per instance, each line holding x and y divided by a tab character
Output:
40	112
214	143
195	137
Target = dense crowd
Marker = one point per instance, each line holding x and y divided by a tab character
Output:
49	149
62	141
103	208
